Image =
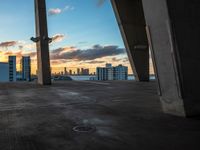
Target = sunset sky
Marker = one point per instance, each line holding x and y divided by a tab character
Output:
84	34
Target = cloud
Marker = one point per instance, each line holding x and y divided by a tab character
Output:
114	59
72	53
126	60
31	54
97	51
58	38
68	49
27	46
97	54
18	54
95	62
59	51
18	44
8	44
54	11
58	62
30	46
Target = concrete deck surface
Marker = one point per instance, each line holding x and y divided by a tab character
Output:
127	116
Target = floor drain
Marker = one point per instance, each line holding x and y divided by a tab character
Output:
84	129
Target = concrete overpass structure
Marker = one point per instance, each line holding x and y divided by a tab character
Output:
173	34
170	29
114	115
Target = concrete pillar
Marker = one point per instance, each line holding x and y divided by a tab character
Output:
174	34
130	17
42	40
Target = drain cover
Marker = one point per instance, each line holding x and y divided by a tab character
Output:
84	129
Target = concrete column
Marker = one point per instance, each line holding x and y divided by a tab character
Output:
43	62
174	35
130	17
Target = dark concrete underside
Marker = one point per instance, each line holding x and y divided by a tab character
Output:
127	116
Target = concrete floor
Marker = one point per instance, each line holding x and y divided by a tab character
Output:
127	116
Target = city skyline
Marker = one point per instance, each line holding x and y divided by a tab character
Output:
80	38
80	71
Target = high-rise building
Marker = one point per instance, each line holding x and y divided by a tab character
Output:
108	65
26	68
110	70
120	73
70	72
101	73
112	73
78	71
12	68
65	71
4	72
82	71
85	72
8	70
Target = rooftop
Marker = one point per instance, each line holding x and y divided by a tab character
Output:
126	115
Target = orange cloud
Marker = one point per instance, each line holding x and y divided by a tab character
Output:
8	44
58	38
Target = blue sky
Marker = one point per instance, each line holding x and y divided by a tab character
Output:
76	26
87	22
17	18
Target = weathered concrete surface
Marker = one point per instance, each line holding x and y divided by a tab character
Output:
130	17
186	36
158	21
127	116
174	35
43	61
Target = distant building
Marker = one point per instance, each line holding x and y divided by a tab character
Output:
12	68
112	73
108	65
65	71
120	73
26	68
4	72
8	70
70	72
82	71
101	73
18	76
85	71
78	71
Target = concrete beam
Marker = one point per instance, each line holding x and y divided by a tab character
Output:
174	34
130	17
43	62
185	26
